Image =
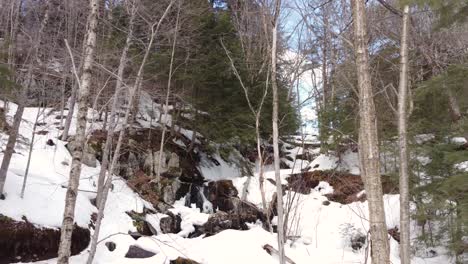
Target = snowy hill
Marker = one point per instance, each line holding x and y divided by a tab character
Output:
320	231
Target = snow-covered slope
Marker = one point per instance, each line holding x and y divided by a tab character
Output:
320	231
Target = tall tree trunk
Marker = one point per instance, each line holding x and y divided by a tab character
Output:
131	96
115	102
31	146
368	140
405	245
71	111
166	105
77	151
274	84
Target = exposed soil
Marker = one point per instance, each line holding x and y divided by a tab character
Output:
21	241
346	186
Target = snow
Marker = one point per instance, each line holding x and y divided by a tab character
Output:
321	233
221	171
463	166
349	162
458	140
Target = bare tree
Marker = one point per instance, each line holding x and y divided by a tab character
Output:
274	85
166	104
368	140
115	102
405	245
77	151
154	28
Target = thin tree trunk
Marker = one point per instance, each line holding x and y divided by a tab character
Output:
368	140
279	188
132	92
115	102
77	151
31	145
166	105
71	110
405	245
10	147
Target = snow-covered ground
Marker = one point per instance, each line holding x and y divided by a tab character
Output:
321	233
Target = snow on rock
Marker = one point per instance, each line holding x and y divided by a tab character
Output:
215	168
458	141
349	162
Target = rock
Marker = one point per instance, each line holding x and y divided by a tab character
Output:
180	260
21	241
138	252
220	220
174	161
139	221
110	246
326	203
89	154
50	142
170	224
173	166
163	167
219	193
169	190
148	162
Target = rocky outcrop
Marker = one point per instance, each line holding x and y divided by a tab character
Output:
89	153
347	187
21	241
221	194
170	223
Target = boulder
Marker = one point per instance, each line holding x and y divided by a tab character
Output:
219	193
110	246
138	252
174	161
89	154
170	223
163	167
148	161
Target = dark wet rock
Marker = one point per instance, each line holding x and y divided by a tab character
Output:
111	246
135	235
21	241
50	142
180	260
237	218
395	233
326	203
138	252
219	193
170	223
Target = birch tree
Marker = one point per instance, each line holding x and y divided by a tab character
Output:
166	105
405	245
368	140
115	102
77	152
131	96
274	85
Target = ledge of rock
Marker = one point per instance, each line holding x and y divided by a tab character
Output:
21	241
